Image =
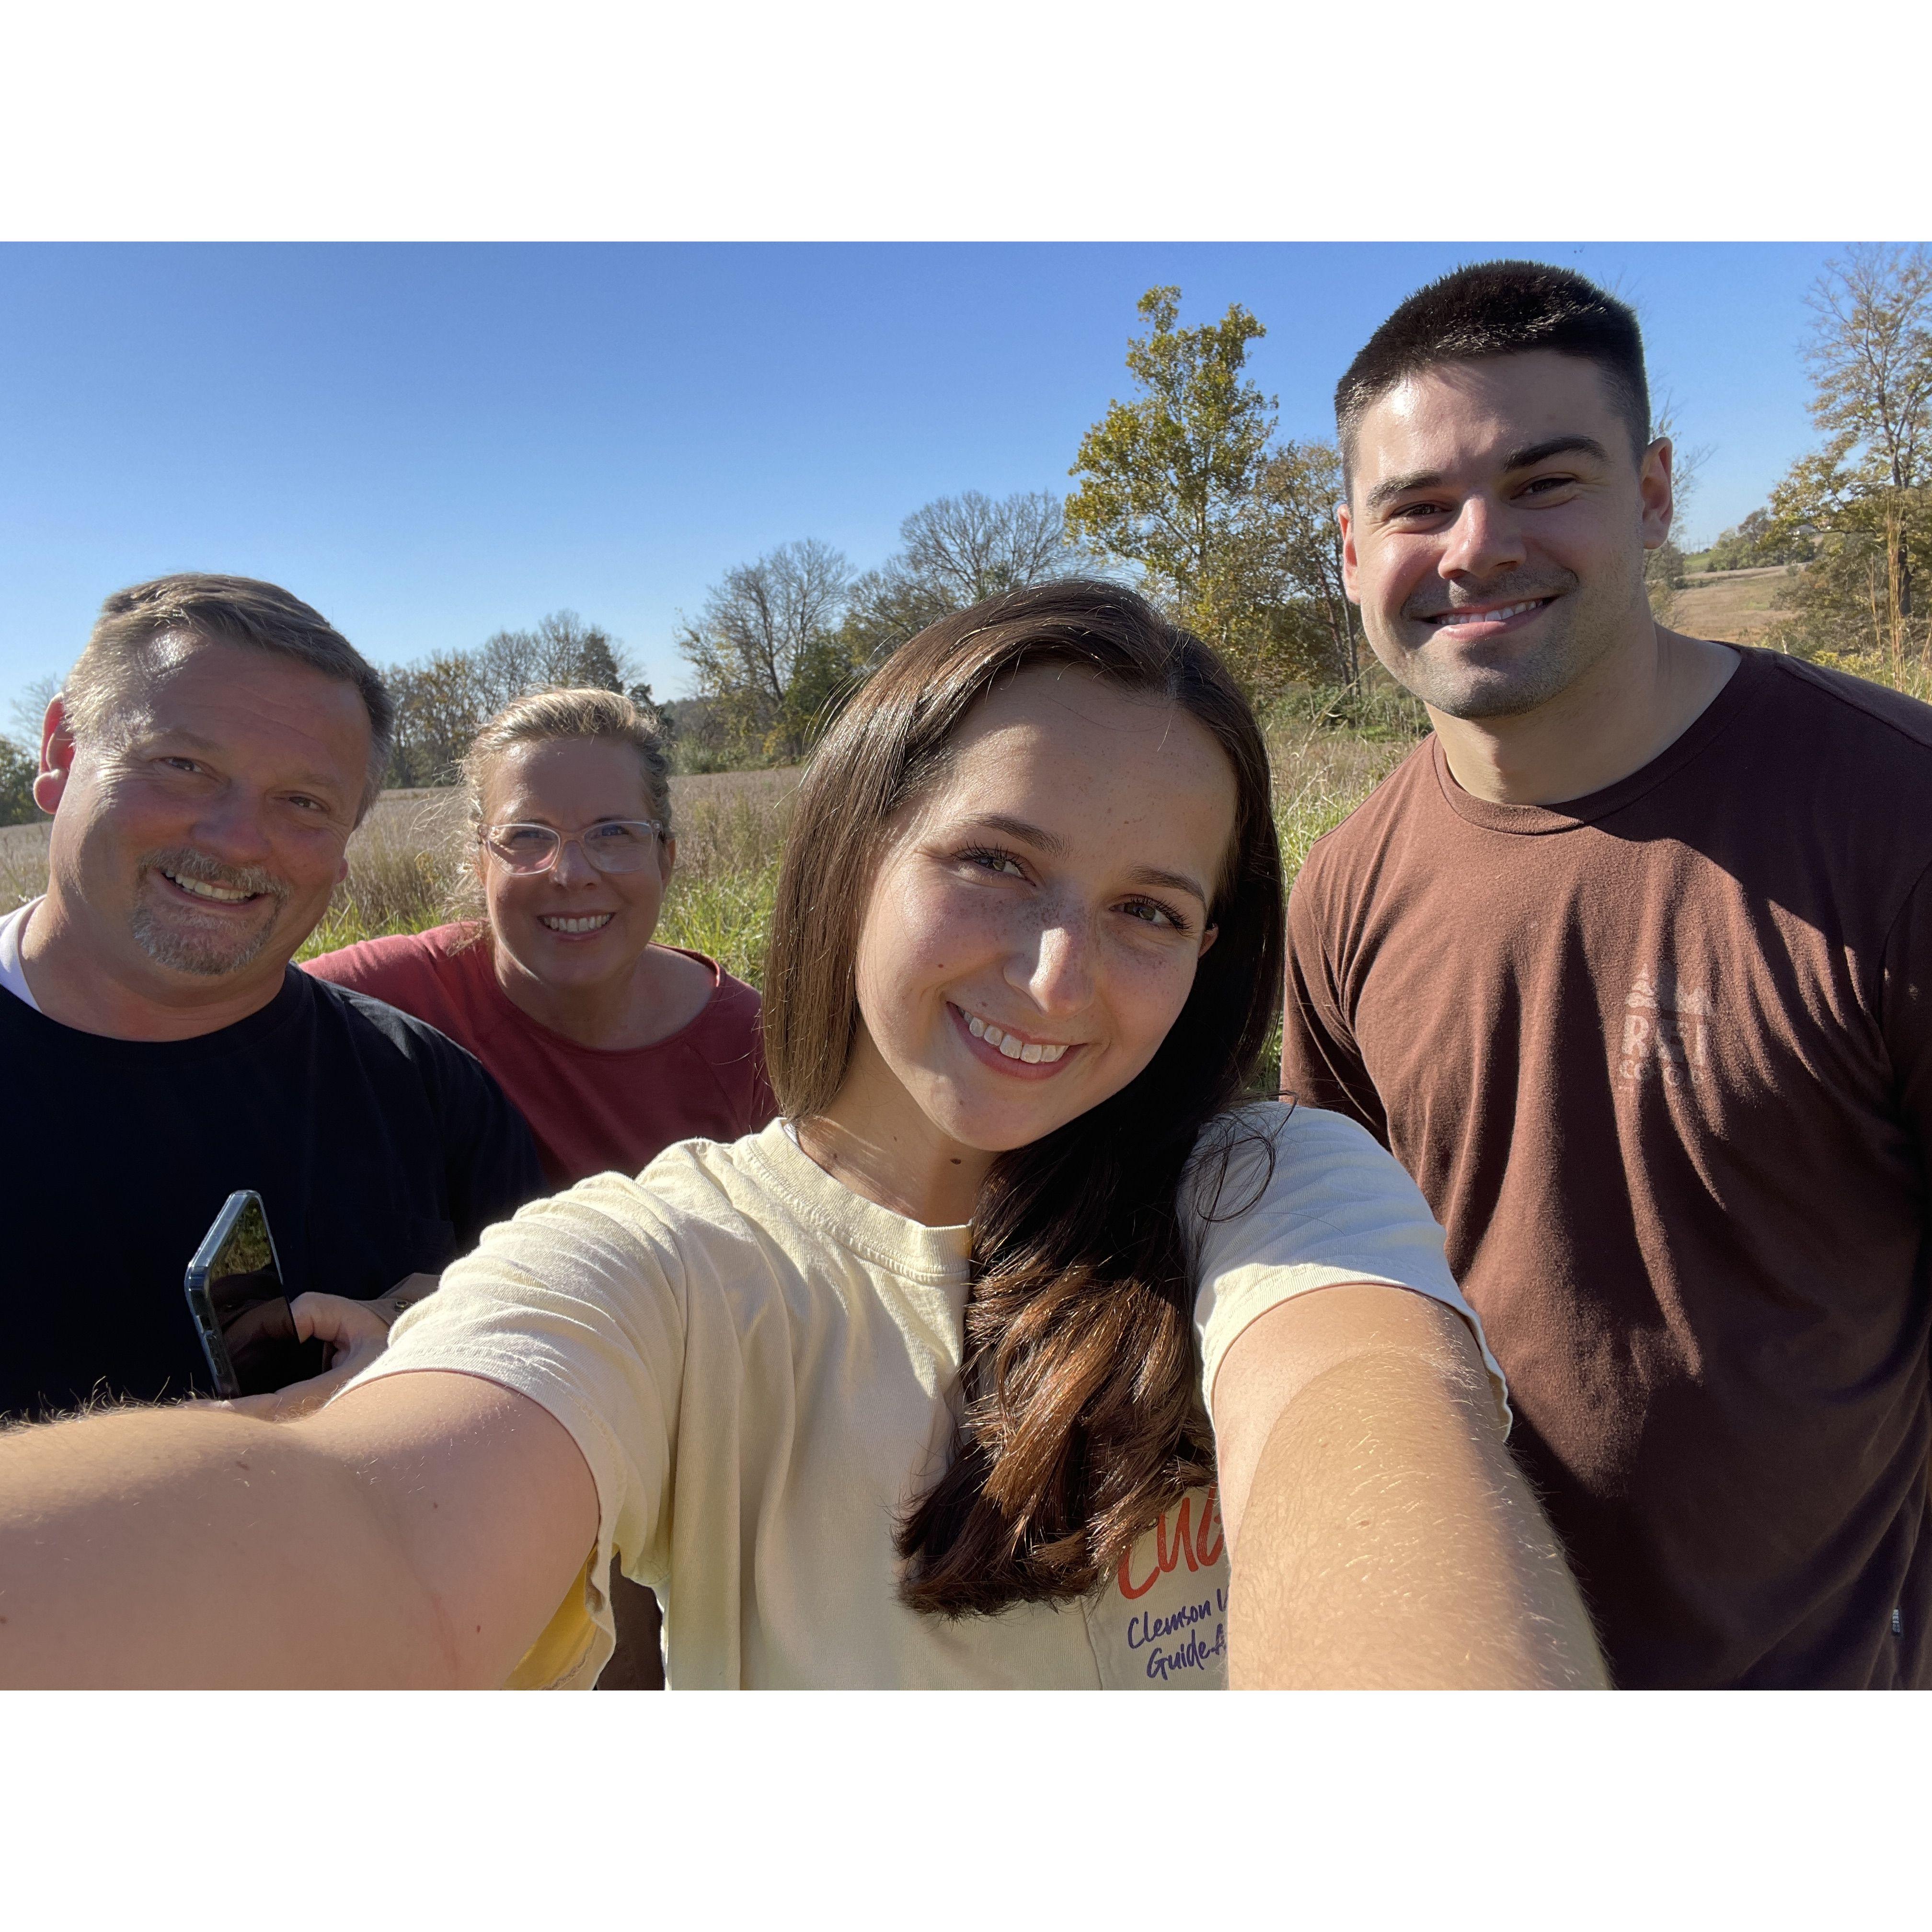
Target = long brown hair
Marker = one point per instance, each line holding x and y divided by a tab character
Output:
1083	1417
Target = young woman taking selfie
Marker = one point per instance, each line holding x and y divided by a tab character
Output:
913	1386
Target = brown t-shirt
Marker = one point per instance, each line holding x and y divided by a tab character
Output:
1661	1060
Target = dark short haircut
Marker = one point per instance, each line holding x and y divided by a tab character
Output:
1500	308
224	611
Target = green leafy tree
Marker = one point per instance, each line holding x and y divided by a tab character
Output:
1757	543
440	702
18	770
1167	478
1232	532
1305	624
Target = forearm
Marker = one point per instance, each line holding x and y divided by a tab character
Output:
193	1546
1387	1541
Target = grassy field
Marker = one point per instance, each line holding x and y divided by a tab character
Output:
404	862
1737	606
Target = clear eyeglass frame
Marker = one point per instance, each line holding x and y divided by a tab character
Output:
613	845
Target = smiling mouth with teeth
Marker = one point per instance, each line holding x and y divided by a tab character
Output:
1442	619
588	922
201	890
1034	1052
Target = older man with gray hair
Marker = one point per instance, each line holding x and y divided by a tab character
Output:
212	751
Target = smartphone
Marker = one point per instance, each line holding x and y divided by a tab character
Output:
234	1293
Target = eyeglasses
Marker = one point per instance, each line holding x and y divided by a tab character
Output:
616	845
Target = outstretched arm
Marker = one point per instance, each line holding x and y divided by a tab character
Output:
1379	1535
420	1531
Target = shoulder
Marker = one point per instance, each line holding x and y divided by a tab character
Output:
735	1007
713	1187
1287	1153
1867	718
384	1032
1278	1184
398	958
1285	1199
1363	830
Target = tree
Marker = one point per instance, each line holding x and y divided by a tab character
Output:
560	649
1863	497
439	705
765	649
1234	533
957	551
1169	477
1312	624
29	711
1757	542
18	770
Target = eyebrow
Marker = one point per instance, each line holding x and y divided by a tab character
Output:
1522	459
1055	846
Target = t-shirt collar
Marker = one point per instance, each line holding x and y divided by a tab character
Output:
939	1257
1740	691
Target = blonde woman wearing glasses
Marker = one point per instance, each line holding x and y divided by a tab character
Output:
613	1046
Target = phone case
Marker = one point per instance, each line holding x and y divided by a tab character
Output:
213	1346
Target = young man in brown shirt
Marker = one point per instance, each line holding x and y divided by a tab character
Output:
1630	965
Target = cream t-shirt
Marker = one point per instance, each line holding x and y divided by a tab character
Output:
761	1369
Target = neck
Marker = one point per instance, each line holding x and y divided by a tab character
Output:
78	981
637	1007
877	1141
1626	709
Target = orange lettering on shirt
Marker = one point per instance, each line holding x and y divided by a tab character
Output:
1165	1559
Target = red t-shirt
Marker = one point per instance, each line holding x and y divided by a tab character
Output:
590	1109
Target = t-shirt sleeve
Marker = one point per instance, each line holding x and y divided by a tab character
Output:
1283	1200
578	1303
1907	1010
1321	1064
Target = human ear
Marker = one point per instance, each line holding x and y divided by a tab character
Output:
1346	520
1209	933
1655	492
57	750
667	858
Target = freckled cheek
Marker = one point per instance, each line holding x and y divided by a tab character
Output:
1146	989
923	930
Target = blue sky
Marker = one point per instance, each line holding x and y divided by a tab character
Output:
429	442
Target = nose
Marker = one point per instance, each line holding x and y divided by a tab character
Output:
1056	969
570	867
1486	537
230	827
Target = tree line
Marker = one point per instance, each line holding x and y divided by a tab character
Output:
1186	489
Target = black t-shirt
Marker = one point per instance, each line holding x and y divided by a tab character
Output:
378	1147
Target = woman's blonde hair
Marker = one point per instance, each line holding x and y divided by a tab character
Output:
555	717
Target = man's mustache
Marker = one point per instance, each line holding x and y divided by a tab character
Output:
1426	605
185	863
